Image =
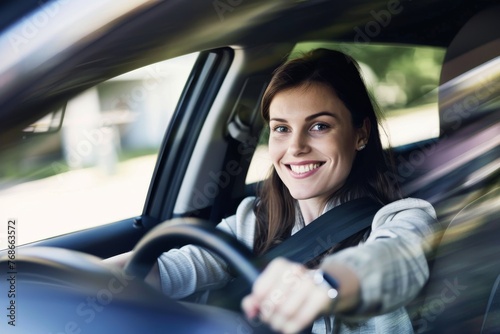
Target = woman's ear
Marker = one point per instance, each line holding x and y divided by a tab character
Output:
363	133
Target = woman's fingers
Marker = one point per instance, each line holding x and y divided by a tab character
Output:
313	305
257	303
285	297
250	307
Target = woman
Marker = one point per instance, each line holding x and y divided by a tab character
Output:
325	149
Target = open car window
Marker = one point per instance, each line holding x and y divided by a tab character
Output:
97	167
403	81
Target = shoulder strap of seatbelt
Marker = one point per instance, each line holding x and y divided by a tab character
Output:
329	229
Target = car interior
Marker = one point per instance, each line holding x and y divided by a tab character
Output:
201	169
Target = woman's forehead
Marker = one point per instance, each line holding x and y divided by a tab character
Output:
305	100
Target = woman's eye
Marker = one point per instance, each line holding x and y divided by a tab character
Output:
280	128
319	127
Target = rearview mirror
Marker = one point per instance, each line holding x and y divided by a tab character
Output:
48	124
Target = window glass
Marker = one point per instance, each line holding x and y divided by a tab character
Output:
403	80
97	168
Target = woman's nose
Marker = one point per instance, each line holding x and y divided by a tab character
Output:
298	143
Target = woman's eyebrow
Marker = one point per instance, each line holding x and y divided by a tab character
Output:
308	118
321	113
281	120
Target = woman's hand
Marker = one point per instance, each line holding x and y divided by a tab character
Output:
153	278
286	297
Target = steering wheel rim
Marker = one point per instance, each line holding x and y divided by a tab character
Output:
179	232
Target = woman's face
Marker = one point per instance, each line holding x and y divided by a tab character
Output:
312	140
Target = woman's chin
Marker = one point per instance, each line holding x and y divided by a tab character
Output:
301	196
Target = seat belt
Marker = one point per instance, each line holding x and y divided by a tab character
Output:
329	229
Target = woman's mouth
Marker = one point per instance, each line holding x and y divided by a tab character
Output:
304	169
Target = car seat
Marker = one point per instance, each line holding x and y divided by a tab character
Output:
462	294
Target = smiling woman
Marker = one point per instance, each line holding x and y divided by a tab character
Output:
325	152
295	103
313	150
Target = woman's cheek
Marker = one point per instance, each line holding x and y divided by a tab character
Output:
275	151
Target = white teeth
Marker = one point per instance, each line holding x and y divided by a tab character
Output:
301	169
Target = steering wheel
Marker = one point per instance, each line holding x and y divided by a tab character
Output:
178	232
68	291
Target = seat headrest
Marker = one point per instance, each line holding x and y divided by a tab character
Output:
471	70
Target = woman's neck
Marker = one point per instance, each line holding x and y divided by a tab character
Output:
311	209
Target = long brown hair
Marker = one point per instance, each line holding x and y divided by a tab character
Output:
275	208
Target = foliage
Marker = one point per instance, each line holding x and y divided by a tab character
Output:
398	76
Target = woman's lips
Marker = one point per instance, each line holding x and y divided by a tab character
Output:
303	170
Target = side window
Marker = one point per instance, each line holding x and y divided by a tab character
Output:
403	81
97	167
